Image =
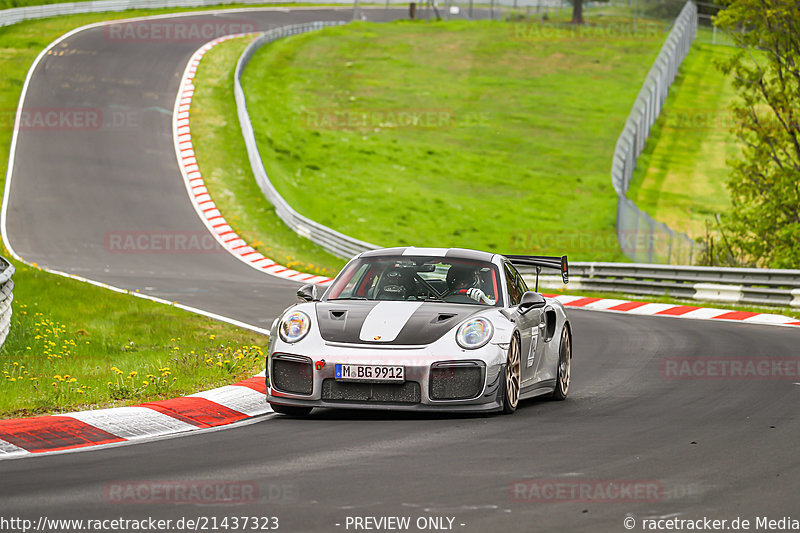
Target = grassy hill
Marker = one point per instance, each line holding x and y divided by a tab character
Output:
492	135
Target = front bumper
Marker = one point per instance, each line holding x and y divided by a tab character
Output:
469	381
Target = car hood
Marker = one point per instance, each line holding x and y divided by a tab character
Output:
390	322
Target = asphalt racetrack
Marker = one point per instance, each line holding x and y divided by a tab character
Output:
684	449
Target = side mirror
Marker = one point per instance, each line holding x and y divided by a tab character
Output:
307	293
531	300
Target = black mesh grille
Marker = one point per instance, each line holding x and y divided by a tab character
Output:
456	383
292	376
408	392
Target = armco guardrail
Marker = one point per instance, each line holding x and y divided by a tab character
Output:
754	286
6	297
640	237
331	240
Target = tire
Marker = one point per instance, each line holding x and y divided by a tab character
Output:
291	410
511	381
563	372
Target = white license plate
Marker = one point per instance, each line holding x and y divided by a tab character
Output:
378	373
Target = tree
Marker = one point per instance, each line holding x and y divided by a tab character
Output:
763	226
577	11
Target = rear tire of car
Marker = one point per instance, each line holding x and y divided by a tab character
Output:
564	366
511	378
291	410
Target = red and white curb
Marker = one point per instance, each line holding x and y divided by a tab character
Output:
216	407
195	184
673	310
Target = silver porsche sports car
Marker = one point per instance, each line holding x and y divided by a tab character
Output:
422	329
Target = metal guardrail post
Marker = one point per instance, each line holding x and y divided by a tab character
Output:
6	297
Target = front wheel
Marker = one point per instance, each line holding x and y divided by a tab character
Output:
564	363
511	383
291	410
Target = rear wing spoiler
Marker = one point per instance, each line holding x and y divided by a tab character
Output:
540	262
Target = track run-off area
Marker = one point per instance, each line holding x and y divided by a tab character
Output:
637	437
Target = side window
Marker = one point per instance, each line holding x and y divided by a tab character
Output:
347	291
514	295
523	288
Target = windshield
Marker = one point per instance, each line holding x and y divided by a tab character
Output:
409	278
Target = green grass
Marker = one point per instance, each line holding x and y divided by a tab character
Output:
131	334
65	330
681	174
222	158
514	134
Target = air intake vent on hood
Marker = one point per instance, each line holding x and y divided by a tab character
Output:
442	317
338	315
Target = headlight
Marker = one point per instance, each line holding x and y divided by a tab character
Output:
294	326
475	333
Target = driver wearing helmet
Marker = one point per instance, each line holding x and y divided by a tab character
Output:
463	280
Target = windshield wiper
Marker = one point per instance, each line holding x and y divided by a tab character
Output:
350	298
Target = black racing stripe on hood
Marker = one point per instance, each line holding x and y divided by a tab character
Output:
432	320
342	321
346	328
